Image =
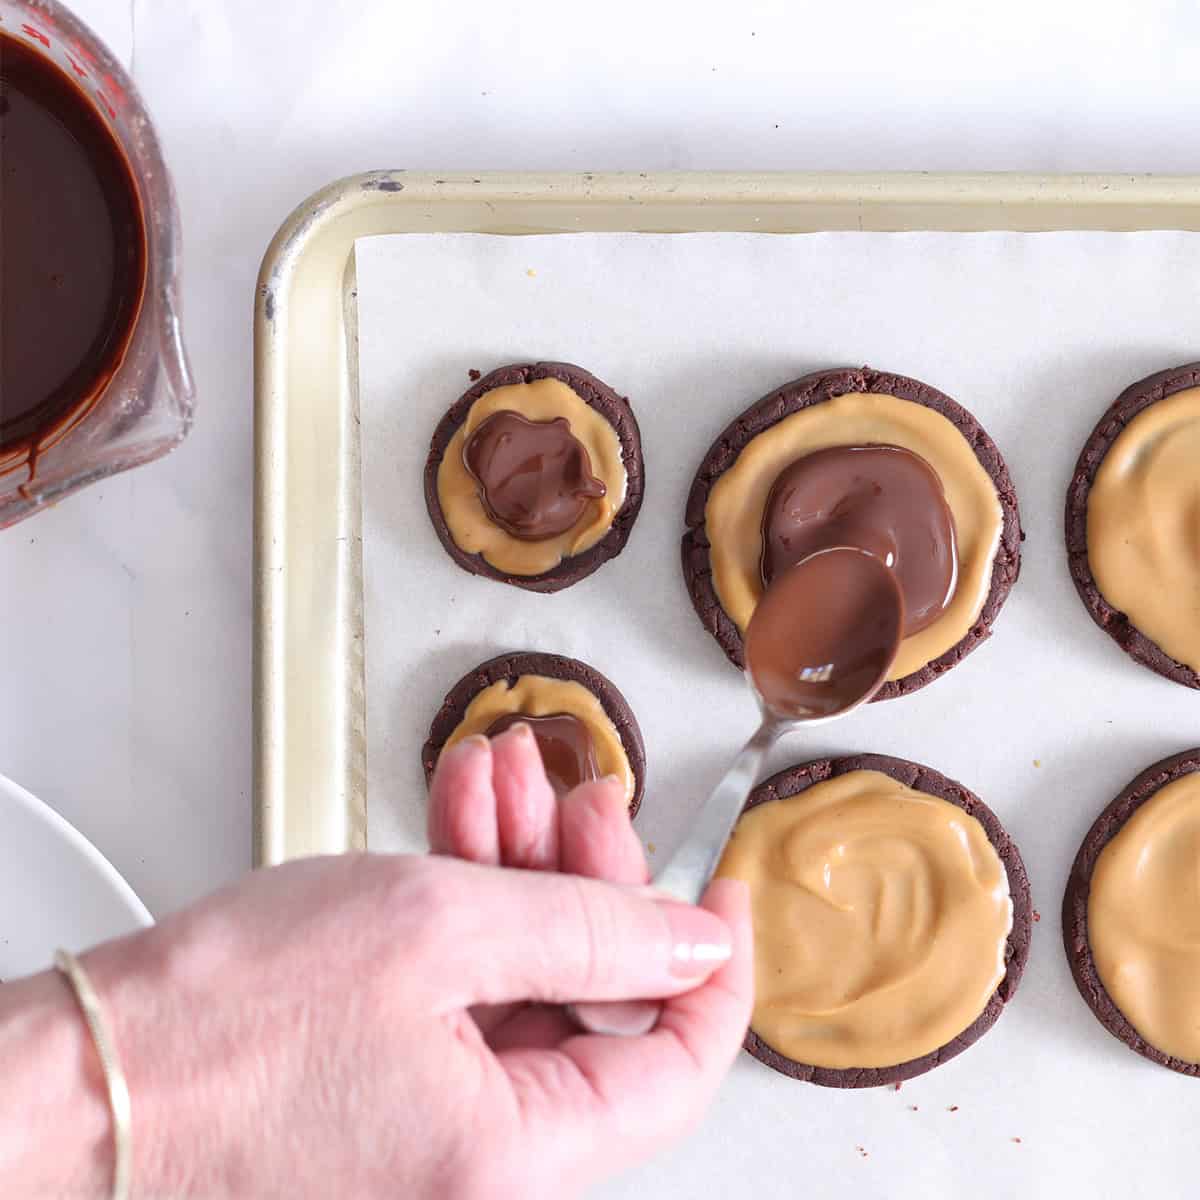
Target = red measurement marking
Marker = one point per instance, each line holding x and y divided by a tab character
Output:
37	34
113	86
107	103
77	68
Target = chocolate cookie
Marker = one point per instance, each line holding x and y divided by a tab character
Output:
509	669
1075	904
1132	401
804	393
614	409
797	779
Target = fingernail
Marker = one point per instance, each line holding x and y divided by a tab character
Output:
617	1018
610	778
699	940
518	731
474	742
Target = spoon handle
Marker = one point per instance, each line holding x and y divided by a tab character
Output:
690	868
686	876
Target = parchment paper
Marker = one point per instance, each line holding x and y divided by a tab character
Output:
1035	334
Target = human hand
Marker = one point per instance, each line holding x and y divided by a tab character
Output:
346	1025
510	816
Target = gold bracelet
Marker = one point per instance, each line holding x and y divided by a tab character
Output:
114	1077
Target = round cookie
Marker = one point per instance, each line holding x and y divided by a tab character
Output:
1075	904
794	780
612	408
804	393
1134	400
509	669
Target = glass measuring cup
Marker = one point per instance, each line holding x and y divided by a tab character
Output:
146	408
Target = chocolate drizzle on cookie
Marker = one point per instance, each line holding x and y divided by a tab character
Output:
535	478
567	750
882	499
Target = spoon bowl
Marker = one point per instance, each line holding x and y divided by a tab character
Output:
824	635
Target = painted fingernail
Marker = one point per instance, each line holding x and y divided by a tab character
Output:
700	940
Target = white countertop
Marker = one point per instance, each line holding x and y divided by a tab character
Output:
125	613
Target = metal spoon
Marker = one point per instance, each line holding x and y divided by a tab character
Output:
821	642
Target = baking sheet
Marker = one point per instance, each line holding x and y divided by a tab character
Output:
1035	333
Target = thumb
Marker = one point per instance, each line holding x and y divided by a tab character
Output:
497	935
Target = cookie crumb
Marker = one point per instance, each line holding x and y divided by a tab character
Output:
898	1085
1017	1140
952	1108
473	374
913	1108
1037	916
1037	762
650	847
530	272
861	1152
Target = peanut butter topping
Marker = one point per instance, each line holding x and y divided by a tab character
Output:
881	916
1144	919
541	696
738	502
467	517
1143	525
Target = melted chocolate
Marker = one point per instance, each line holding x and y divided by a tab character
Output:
72	247
535	477
825	633
568	753
883	499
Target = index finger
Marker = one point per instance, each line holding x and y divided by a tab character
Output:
461	818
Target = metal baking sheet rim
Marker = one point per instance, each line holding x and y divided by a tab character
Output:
309	694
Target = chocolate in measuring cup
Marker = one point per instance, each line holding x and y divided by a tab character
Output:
93	375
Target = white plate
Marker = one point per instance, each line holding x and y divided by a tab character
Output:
56	888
